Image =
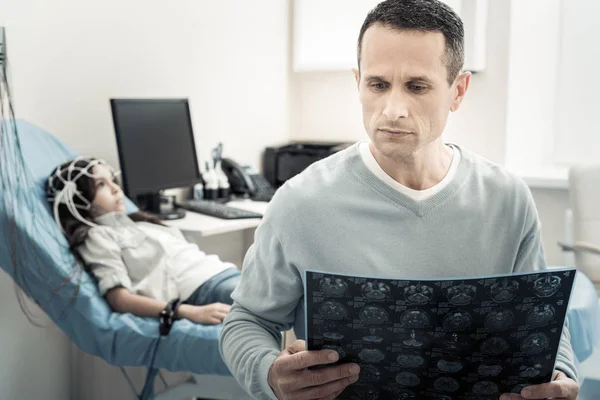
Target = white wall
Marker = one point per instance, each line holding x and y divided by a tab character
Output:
68	57
228	57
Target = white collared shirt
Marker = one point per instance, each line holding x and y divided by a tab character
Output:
417	195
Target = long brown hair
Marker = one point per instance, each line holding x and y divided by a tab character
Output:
76	231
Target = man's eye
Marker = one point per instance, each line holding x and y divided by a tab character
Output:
379	86
100	184
418	88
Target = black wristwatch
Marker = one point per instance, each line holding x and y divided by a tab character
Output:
168	316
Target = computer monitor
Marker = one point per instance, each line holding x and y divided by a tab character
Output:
156	149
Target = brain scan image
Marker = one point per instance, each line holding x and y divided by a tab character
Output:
535	343
333	310
449	365
337	349
495	346
462	294
485	388
375	290
439	397
403	394
410	360
499	319
412	341
333	336
415	319
446	384
504	291
334	287
540	315
373	339
457	321
407	379
371	355
361	393
373	315
369	374
489	368
418	294
530	371
456	342
546	286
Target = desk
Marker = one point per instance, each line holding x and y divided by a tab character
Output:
228	238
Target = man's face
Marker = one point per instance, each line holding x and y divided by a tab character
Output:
404	90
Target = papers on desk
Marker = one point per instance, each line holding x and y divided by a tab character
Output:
443	338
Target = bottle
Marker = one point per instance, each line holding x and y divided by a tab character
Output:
198	191
224	188
211	183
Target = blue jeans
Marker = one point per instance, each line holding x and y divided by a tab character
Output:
217	289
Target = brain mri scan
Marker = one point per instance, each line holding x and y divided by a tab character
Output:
333	336
418	294
407	379
333	310
489	368
461	294
371	355
373	315
535	343
457	321
499	319
375	291
446	384
449	365
540	315
334	287
495	346
415	319
504	291
369	374
410	359
546	286
413	341
486	388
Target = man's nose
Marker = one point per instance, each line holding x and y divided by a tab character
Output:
396	105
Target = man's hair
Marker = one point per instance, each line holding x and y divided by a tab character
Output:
421	15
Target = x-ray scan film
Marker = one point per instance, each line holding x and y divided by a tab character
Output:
440	339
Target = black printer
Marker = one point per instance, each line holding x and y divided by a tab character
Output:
284	162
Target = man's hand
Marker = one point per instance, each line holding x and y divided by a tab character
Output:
210	314
561	387
291	380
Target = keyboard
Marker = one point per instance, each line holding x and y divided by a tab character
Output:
217	210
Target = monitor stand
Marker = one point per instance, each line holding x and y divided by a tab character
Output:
151	203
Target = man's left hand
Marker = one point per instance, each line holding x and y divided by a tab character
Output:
561	387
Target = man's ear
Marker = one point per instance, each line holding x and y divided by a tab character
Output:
356	76
461	85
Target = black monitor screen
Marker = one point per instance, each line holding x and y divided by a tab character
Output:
156	144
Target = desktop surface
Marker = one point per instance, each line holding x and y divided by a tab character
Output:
218	210
204	225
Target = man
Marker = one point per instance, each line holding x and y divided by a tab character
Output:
403	205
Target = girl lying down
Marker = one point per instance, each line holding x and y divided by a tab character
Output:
140	264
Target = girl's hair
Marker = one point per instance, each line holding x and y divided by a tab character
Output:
75	230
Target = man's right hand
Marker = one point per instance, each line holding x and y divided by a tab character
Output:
291	380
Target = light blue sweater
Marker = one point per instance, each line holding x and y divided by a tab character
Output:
338	216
